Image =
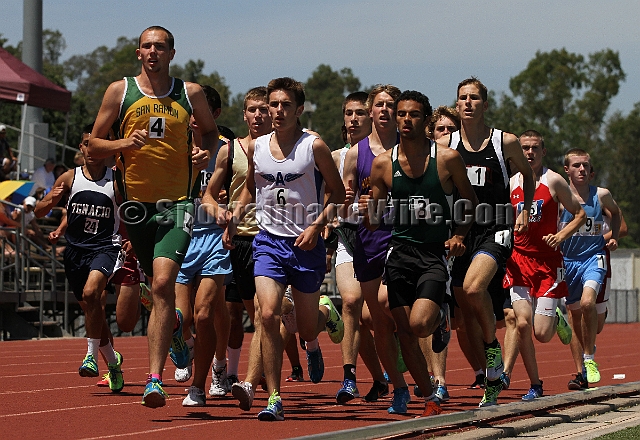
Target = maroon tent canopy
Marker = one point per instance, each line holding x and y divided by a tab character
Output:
21	84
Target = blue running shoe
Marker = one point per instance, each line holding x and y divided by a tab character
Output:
534	392
179	350
442	393
89	367
273	412
154	396
349	391
315	365
506	381
401	397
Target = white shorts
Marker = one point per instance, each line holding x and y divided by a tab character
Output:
544	306
342	253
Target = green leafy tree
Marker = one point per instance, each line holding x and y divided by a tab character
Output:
562	95
326	90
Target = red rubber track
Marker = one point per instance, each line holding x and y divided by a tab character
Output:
42	395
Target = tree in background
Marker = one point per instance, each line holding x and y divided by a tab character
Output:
326	90
564	97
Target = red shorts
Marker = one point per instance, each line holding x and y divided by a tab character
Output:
130	273
544	276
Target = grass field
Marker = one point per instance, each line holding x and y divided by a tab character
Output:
625	434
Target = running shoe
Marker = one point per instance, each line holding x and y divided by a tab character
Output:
506	381
263	383
154	396
243	392
231	379
417	391
334	325
348	392
218	382
563	329
593	375
399	402
534	392
104	382
179	350
479	382
145	296
491	391
442	393
495	367
296	375
315	365
196	397
432	408
442	335
184	374
89	367
273	412
116	380
578	383
378	390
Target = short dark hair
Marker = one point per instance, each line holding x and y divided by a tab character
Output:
213	97
360	97
289	85
533	134
87	128
255	94
476	82
420	98
170	40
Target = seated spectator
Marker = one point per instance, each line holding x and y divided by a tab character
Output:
43	177
33	231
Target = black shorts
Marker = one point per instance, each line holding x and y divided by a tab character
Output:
231	293
347	232
496	242
242	264
78	263
415	272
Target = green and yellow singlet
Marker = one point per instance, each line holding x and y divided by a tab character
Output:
161	169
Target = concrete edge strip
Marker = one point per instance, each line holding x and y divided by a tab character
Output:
466	417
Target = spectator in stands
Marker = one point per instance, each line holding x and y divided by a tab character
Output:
8	159
59	170
43	176
33	231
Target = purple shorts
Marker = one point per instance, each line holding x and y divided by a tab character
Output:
277	258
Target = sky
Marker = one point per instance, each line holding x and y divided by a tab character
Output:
414	44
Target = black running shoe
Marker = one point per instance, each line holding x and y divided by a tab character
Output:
377	391
479	383
579	383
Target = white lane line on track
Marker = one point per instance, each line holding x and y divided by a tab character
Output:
150	431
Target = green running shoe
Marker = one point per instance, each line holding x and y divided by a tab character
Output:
563	329
335	325
116	380
491	391
273	412
593	375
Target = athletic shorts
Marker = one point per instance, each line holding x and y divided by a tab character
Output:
78	263
497	243
169	231
415	272
603	296
579	272
277	258
368	264
542	274
205	257
242	264
343	254
130	274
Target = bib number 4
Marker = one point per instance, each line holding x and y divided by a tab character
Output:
157	127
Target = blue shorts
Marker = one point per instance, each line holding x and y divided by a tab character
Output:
578	272
205	257
277	258
78	263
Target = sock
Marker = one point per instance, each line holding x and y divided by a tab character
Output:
156	376
109	354
177	326
219	364
587	357
190	342
313	345
493	344
233	360
479	372
93	347
349	371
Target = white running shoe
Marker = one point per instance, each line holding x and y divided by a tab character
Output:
218	382
196	397
243	391
184	374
